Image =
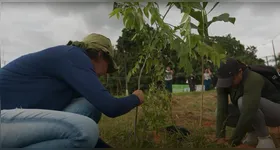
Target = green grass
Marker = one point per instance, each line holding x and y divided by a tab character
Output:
118	132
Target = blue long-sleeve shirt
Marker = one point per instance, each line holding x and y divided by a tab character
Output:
52	78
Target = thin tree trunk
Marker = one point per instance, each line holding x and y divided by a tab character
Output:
126	82
120	84
136	113
202	92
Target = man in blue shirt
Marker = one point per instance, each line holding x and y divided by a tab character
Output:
53	98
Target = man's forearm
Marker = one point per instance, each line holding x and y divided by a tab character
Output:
222	104
220	125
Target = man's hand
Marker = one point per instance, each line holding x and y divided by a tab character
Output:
140	95
221	141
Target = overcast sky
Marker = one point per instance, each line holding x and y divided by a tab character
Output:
30	27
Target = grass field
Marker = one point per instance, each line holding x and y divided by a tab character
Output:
118	132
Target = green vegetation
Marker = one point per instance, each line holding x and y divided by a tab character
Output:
185	111
172	45
148	45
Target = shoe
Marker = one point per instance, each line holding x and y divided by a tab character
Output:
251	139
265	142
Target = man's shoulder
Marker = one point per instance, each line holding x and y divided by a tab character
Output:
47	56
72	54
62	51
54	51
253	78
59	49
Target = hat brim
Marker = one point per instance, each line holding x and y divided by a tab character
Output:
224	82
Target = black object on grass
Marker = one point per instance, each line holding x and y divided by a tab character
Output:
177	129
101	144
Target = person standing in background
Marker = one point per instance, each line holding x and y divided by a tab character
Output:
169	78
207	79
191	81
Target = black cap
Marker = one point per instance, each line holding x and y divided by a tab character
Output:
227	70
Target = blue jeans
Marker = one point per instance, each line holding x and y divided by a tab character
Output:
75	127
168	85
207	84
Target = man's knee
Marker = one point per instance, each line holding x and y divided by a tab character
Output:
239	102
41	126
259	113
88	132
270	110
84	107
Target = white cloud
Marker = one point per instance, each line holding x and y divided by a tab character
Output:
30	27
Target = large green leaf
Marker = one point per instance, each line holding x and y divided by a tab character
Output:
223	17
140	19
218	48
197	15
201	17
220	58
146	10
194	40
185	64
184	18
176	44
154	14
204	4
130	21
114	12
186	8
204	49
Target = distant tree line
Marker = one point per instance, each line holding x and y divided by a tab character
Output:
127	52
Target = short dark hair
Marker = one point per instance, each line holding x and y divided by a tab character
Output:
93	54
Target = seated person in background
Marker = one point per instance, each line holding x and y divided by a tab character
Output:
54	99
255	105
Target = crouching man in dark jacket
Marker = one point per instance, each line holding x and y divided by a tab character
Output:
255	105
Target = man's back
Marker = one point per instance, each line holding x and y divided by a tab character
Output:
31	82
252	79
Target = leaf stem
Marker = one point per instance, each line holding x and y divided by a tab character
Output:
202	70
170	6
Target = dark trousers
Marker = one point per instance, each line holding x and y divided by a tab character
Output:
192	87
168	85
207	84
